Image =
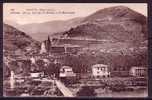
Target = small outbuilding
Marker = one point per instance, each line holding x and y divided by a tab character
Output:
66	71
37	74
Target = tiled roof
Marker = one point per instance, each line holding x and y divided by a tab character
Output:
100	65
66	67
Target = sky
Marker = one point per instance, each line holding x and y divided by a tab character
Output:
26	13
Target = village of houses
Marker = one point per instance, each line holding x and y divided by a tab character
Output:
64	81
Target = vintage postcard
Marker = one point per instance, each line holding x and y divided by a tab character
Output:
75	50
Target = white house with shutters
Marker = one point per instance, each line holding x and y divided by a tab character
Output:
100	70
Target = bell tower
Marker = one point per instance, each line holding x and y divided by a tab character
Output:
43	48
48	44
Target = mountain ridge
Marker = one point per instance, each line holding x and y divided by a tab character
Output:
40	31
117	17
107	24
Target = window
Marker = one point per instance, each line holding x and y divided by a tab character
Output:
98	68
103	69
63	70
115	69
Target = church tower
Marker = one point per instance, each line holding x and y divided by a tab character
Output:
43	48
48	44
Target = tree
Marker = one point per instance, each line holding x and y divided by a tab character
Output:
52	69
26	67
86	91
40	65
6	71
13	66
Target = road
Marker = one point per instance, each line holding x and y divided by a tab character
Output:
66	92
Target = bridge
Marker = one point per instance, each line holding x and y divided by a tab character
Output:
66	92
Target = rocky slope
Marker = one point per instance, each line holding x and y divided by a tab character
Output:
15	40
116	23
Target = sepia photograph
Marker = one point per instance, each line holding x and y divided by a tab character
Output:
75	50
